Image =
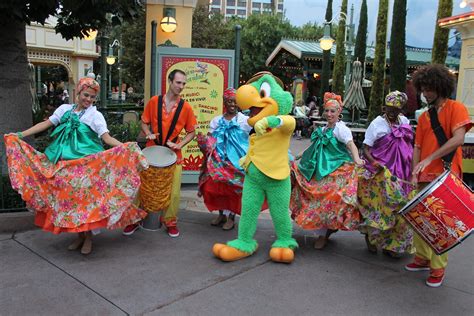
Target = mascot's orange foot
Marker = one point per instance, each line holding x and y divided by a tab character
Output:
284	255
226	253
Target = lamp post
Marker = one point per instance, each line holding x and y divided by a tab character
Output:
327	41
110	61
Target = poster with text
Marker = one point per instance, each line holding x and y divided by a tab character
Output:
206	80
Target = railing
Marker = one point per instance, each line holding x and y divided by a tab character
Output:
10	200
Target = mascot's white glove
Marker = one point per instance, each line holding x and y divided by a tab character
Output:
267	122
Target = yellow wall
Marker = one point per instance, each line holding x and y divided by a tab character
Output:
465	88
181	37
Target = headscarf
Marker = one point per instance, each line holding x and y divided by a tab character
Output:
229	93
396	99
85	83
332	99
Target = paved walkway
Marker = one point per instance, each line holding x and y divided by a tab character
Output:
150	273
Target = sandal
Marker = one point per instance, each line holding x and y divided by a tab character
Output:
371	248
219	220
320	243
77	243
229	224
87	245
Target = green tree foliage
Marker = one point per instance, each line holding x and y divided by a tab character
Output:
73	18
378	72
310	31
440	41
398	56
361	38
209	29
133	34
326	71
259	36
340	57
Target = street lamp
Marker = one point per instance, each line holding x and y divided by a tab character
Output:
168	23
110	61
327	41
464	3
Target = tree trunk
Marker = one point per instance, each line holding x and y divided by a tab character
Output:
378	72
15	101
340	58
441	36
398	56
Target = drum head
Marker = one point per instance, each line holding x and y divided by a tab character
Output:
159	156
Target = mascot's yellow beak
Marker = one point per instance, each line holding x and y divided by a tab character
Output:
248	98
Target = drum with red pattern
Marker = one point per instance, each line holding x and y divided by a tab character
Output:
442	213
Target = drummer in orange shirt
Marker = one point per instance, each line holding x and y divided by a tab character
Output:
437	84
180	111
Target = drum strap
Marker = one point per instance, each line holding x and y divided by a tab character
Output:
159	140
440	136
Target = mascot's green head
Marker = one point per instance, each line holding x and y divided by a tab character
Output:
264	96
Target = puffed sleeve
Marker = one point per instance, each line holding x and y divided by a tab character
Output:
59	112
343	133
371	134
99	125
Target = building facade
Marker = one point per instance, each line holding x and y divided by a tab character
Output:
244	8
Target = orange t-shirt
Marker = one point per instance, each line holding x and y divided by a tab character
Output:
186	121
452	116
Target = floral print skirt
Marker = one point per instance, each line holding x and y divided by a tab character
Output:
328	203
381	196
97	191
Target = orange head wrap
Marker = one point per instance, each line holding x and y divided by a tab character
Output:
85	83
332	99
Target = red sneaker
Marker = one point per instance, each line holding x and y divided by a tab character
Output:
416	267
173	231
130	229
434	281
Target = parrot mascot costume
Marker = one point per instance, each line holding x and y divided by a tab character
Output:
267	169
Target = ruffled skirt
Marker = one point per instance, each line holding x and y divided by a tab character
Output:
329	203
79	195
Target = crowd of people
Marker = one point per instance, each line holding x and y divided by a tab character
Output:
76	186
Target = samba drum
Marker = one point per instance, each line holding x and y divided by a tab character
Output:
442	213
156	183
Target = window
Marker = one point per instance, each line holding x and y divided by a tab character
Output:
216	2
241	3
231	3
230	11
241	12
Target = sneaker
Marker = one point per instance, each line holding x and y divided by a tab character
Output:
433	281
416	267
173	231
130	229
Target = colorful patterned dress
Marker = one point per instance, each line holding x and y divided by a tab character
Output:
381	193
324	183
76	186
221	178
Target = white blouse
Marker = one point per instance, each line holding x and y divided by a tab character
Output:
379	127
92	118
341	132
240	118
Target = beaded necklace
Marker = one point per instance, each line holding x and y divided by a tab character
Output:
80	114
390	123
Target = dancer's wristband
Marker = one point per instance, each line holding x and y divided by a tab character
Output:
20	135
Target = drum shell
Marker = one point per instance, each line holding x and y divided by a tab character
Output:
155	188
442	213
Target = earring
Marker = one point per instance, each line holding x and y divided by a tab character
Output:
340	116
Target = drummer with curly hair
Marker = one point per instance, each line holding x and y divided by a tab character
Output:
437	84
